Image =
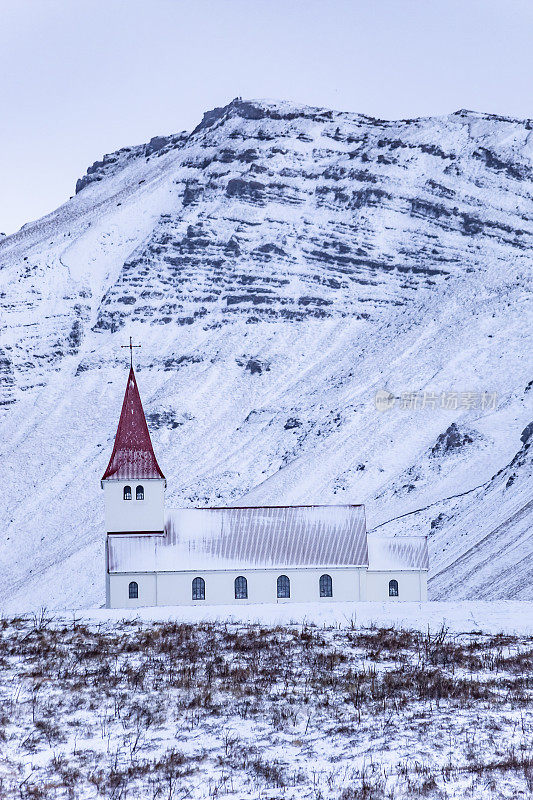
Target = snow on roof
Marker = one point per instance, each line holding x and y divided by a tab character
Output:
235	538
397	552
133	456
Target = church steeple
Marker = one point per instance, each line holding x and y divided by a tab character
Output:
133	456
133	484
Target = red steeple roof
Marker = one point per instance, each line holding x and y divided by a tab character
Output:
133	456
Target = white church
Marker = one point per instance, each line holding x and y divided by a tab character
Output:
238	554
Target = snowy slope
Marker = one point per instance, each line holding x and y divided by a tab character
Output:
280	265
185	703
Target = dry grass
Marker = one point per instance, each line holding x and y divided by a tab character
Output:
170	710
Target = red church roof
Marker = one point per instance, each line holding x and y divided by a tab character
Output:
133	456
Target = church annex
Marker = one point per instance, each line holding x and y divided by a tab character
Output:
238	554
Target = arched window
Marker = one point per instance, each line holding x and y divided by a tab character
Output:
133	590
326	586
393	588
241	588
284	586
139	493
198	589
127	493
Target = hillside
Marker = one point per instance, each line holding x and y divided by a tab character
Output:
169	709
280	265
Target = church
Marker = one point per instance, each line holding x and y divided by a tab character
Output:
238	554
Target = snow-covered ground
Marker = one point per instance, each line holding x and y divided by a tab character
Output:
503	616
92	707
280	266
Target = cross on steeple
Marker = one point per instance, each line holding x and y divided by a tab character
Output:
131	346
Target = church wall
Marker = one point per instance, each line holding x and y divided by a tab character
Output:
412	585
134	515
118	590
175	588
349	584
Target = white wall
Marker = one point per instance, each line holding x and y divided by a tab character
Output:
412	584
349	584
118	590
175	588
134	515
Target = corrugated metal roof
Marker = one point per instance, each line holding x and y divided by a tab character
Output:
397	552
133	456
260	537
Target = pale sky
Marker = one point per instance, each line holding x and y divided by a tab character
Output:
80	78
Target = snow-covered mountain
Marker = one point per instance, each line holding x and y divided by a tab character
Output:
280	265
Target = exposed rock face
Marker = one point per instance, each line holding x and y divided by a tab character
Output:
7	380
452	439
316	165
279	265
527	433
113	162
